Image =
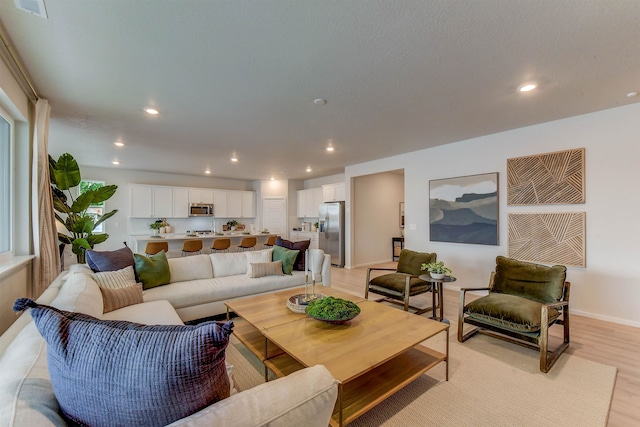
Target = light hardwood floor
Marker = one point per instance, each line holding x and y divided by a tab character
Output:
603	342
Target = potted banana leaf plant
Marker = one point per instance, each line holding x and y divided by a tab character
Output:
65	175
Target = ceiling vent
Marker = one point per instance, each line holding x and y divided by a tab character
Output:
34	7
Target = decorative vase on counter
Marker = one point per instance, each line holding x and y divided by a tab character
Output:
155	231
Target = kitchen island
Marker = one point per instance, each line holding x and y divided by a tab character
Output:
175	240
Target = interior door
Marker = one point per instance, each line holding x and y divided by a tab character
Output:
274	215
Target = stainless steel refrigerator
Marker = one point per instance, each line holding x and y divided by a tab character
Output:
331	238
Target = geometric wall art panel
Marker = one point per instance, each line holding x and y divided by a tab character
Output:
548	238
464	209
544	179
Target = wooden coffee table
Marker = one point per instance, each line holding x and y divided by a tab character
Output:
372	356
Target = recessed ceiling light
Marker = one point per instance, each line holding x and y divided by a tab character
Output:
632	94
207	171
119	144
115	162
308	168
330	148
319	101
151	111
527	87
234	159
272	179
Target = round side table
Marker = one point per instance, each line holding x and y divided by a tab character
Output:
438	285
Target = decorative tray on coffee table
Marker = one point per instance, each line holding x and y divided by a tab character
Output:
297	304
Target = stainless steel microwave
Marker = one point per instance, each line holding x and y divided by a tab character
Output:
200	209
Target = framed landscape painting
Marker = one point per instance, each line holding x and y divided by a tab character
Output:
464	209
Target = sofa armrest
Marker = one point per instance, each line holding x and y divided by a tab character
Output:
306	397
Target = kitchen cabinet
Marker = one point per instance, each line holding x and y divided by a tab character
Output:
248	204
200	195
180	203
297	236
220	203
333	192
308	202
234	204
150	201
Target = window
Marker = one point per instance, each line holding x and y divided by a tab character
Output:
95	209
6	197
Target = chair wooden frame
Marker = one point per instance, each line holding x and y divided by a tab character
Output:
539	342
401	299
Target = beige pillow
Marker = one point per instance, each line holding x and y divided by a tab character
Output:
261	269
263	255
114	299
115	279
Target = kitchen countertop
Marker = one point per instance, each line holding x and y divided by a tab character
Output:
184	236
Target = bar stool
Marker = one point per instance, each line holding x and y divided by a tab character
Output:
153	248
247	244
191	246
271	241
221	245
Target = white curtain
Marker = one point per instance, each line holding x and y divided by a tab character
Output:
45	237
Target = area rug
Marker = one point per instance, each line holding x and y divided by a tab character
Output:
491	383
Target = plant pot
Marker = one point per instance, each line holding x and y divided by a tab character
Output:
437	275
155	232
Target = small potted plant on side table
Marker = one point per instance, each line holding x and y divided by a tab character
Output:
437	270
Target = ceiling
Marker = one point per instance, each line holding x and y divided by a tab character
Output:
239	77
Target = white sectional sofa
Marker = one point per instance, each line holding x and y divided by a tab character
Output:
26	396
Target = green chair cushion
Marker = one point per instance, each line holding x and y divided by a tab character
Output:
533	281
410	261
509	312
396	282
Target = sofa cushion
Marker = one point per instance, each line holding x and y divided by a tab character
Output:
301	246
115	279
110	260
159	312
122	373
287	256
262	269
261	256
228	264
114	299
190	268
153	270
533	281
410	262
80	293
26	394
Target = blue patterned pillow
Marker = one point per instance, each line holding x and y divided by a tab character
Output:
121	373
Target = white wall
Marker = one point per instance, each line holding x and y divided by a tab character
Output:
609	287
376	213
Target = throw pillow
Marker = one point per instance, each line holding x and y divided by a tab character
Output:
262	269
287	256
301	246
153	270
113	299
110	260
410	262
264	255
115	279
106	372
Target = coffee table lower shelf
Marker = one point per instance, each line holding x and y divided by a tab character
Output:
366	391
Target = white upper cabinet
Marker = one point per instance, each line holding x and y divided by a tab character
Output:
234	204
200	195
220	203
248	204
140	201
309	202
180	202
162	202
333	192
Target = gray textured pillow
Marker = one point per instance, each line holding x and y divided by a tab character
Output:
110	260
121	373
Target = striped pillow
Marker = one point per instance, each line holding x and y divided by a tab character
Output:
261	269
116	279
114	299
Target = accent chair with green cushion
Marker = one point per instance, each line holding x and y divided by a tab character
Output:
403	283
524	300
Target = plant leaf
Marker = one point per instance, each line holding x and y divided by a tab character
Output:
80	245
106	217
83	225
103	193
82	202
59	200
66	172
63	238
94	239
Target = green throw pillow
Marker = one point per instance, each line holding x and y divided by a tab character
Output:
287	256
152	270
